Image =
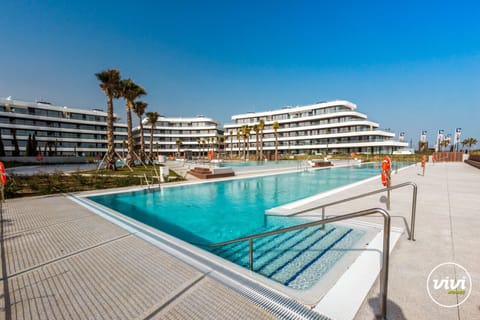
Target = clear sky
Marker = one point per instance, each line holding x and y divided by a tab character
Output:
408	65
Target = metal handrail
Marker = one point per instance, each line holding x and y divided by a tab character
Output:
386	244
401	185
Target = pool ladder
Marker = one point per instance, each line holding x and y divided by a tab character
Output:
303	165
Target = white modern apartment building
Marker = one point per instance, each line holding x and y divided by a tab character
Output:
196	135
58	130
325	127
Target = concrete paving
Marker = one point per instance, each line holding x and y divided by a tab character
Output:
447	228
61	261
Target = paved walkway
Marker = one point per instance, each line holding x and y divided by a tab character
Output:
60	261
447	230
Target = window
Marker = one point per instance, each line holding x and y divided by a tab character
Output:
54	114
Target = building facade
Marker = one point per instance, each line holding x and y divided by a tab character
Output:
58	130
191	137
322	128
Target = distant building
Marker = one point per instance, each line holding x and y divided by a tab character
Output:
58	130
197	135
326	127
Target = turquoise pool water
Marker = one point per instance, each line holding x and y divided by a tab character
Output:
218	211
214	212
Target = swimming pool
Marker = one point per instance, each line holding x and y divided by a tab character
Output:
214	212
218	211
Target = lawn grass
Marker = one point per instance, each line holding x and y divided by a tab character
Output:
43	184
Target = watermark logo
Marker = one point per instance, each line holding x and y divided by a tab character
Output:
449	284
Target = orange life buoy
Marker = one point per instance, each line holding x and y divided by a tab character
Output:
3	176
423	161
386	167
384	178
386	164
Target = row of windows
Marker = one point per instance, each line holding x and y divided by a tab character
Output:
58	136
54	124
294	115
53	114
314	132
314	123
183	132
59	144
184	124
315	141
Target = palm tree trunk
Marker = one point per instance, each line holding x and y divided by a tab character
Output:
276	146
110	156
256	146
142	141
130	137
231	147
151	142
244	148
261	145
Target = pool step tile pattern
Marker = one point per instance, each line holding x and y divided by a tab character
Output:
297	258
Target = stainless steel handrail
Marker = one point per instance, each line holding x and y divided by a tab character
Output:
386	244
401	185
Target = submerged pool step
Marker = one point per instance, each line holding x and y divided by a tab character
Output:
270	259
296	257
228	251
269	249
268	246
311	257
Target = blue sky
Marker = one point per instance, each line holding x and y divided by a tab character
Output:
408	65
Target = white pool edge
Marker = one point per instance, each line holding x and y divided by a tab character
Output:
345	298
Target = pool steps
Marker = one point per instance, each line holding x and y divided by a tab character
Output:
288	257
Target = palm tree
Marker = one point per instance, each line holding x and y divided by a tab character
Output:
109	83
139	109
256	129
244	136
152	118
204	144
219	145
130	91
179	145
469	142
275	131
247	138
230	132
444	143
246	141
422	145
261	126
239	134
199	147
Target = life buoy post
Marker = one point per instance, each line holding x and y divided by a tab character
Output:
387	177
3	180
424	159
